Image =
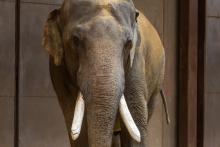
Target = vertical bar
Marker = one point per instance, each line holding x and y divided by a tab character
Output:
188	55
201	72
17	56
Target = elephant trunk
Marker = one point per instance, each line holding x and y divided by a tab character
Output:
124	112
106	101
101	111
101	81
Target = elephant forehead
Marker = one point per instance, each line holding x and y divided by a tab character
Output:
100	2
122	10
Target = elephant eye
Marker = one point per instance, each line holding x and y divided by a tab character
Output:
76	40
136	16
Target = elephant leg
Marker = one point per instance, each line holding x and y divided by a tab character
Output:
67	106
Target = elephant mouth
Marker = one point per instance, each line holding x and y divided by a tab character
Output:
123	110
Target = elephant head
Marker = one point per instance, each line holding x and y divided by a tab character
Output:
96	39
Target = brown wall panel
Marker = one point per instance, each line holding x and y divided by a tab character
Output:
41	120
6	122
42	124
213	7
213	54
212	92
34	64
153	10
170	83
7	43
212	120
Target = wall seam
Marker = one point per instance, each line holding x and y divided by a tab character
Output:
17	58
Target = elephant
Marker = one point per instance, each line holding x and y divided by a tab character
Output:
107	66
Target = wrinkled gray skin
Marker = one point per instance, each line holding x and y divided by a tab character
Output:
89	42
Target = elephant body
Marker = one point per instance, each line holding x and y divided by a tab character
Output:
139	80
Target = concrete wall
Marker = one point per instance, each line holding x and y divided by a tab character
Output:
212	93
7	44
41	120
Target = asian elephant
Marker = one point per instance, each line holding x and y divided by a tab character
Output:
107	61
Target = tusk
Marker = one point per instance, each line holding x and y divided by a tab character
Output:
128	120
78	117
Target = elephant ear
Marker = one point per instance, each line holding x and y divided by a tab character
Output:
135	40
52	37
